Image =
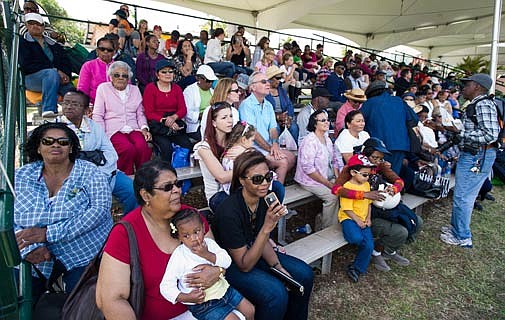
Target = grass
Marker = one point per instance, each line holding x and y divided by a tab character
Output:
442	282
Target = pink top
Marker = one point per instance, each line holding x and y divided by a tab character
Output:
314	156
342	112
158	103
112	114
93	73
153	263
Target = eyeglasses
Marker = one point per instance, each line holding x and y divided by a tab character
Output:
106	49
170	186
323	120
206	80
258	179
71	104
363	174
167	71
376	159
49	141
120	75
263	81
278	78
234	90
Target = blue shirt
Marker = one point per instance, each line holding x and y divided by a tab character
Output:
286	104
260	115
77	218
336	86
386	118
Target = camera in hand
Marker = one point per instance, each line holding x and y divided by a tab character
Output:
454	140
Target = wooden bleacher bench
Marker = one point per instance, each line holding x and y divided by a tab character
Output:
188	172
322	243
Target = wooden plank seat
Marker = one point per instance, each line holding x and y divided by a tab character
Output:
322	243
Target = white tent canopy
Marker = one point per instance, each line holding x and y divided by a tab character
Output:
436	28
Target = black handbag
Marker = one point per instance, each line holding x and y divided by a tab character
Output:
95	156
428	184
160	129
81	303
50	304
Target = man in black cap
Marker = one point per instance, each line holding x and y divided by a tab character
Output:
320	101
477	155
335	84
386	118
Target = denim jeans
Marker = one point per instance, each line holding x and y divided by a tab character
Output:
363	239
467	188
268	294
47	81
123	191
223	67
217	309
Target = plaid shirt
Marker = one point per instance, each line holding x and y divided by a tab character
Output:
488	128
77	219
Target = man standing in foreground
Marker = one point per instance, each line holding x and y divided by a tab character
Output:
478	152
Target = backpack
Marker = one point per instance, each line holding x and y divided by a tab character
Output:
500	110
400	214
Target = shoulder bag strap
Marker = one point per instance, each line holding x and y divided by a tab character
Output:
136	297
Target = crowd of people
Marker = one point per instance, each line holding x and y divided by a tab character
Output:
367	129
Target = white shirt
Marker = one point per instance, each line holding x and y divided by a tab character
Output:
213	52
346	142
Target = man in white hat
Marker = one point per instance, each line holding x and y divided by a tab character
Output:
44	64
355	99
197	97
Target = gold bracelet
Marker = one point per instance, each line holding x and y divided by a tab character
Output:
221	272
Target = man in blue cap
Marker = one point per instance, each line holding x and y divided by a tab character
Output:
478	152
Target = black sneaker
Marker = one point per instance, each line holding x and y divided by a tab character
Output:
489	197
478	206
353	273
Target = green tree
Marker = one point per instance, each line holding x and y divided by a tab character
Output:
73	31
215	25
475	64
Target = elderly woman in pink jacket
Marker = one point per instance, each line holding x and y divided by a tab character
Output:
118	108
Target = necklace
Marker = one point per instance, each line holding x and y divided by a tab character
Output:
252	214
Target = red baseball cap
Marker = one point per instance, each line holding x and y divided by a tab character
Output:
359	160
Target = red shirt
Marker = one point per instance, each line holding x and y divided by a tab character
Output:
157	103
153	263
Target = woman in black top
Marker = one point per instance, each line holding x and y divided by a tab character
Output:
242	226
238	54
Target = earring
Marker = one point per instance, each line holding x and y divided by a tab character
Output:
147	204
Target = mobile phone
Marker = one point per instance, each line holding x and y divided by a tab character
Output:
271	198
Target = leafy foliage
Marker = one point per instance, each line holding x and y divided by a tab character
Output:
477	64
74	31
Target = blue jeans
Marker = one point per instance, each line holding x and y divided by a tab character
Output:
123	191
363	238
223	67
268	294
47	81
217	309
467	188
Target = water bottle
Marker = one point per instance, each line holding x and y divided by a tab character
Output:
306	229
282	143
448	167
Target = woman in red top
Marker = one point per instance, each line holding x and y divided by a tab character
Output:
158	192
164	105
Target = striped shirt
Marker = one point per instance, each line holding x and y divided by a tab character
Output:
487	129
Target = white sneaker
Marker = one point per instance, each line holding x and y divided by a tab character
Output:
48	114
452	240
446	229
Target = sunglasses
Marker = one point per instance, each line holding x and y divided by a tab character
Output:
170	186
323	120
167	71
219	105
206	80
263	81
120	75
106	49
278	78
363	174
234	90
49	141
258	179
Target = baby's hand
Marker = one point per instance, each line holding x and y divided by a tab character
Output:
195	296
200	249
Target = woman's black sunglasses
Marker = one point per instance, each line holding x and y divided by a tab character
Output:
258	179
169	186
49	141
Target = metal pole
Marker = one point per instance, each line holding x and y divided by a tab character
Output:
495	43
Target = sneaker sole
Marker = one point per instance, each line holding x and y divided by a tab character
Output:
447	241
